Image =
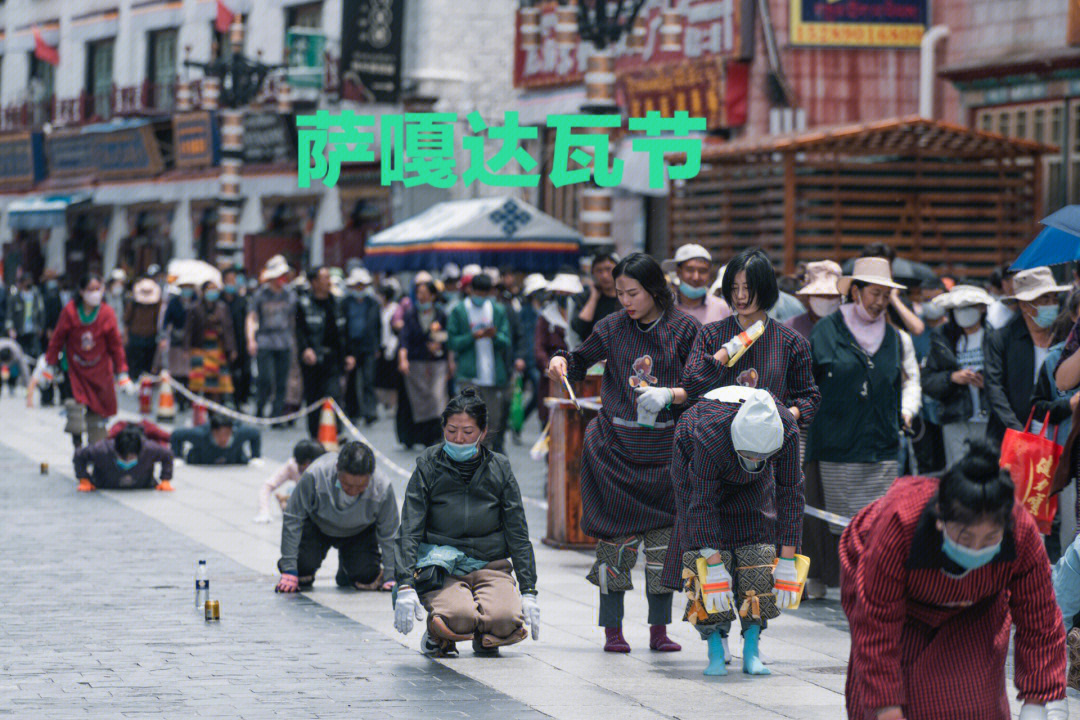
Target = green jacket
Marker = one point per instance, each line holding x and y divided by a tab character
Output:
483	518
462	342
858	420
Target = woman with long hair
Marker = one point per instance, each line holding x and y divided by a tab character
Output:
626	493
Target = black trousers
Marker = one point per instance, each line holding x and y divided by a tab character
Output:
320	380
360	399
273	366
140	355
359	560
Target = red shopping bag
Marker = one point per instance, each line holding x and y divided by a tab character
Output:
1031	461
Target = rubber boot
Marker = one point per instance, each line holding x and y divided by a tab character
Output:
716	655
751	663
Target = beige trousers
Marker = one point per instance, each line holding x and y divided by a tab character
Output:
485	603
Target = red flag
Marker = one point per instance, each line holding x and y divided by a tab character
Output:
224	18
43	51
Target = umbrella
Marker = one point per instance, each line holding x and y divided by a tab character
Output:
1058	243
193	272
908	272
491	232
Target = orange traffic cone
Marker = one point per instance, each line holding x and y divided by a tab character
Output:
199	414
166	408
328	427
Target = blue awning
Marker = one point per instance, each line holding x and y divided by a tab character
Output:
42	211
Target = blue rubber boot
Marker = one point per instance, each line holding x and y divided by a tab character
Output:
716	655
751	663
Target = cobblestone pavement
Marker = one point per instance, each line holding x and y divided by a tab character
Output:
98	620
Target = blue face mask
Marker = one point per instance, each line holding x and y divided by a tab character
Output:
424	307
965	557
187	292
477	301
212	295
230	289
1046	315
126	465
692	293
460	453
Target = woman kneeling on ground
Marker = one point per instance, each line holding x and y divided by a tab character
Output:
462	525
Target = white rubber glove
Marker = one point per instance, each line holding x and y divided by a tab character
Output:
256	462
716	591
785	583
739	344
531	610
654	399
406	608
261	518
124	381
1057	710
1034	712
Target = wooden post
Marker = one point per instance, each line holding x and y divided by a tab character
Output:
789	213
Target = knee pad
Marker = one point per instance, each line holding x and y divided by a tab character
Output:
614	560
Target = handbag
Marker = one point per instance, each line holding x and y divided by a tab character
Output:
1032	461
428	578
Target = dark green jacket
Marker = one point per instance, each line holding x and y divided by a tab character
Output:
858	420
483	518
461	341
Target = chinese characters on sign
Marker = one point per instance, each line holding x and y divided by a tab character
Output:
858	23
419	148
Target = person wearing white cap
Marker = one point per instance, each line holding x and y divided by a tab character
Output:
1015	354
141	319
533	296
269	333
857	364
552	328
954	371
364	323
738	496
821	294
776	358
693	265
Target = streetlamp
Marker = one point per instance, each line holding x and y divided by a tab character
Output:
232	82
601	23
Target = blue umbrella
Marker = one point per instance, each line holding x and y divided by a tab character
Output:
1058	243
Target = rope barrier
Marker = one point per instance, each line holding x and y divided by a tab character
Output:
384	461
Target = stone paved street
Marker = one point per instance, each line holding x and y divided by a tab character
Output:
99	621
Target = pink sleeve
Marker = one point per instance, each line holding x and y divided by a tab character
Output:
289	471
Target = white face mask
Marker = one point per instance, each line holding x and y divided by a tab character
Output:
93	297
824	306
967	317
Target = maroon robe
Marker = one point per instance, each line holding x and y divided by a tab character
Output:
934	643
95	355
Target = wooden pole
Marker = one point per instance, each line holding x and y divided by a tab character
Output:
789	213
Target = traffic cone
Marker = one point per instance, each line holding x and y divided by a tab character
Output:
328	427
199	414
166	407
146	396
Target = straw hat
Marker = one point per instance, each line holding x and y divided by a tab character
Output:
534	283
684	253
875	271
1031	284
821	278
147	292
964	296
275	268
566	283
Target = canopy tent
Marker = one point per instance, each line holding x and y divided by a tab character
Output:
42	211
491	232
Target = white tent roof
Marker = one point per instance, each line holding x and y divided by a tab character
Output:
492	218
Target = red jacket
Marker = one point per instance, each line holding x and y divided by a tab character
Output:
95	355
934	643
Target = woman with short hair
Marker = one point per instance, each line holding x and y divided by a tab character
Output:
935	575
626	494
463	540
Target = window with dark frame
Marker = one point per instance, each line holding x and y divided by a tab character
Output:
99	77
161	58
41	86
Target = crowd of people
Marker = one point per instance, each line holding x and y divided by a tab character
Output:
731	399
